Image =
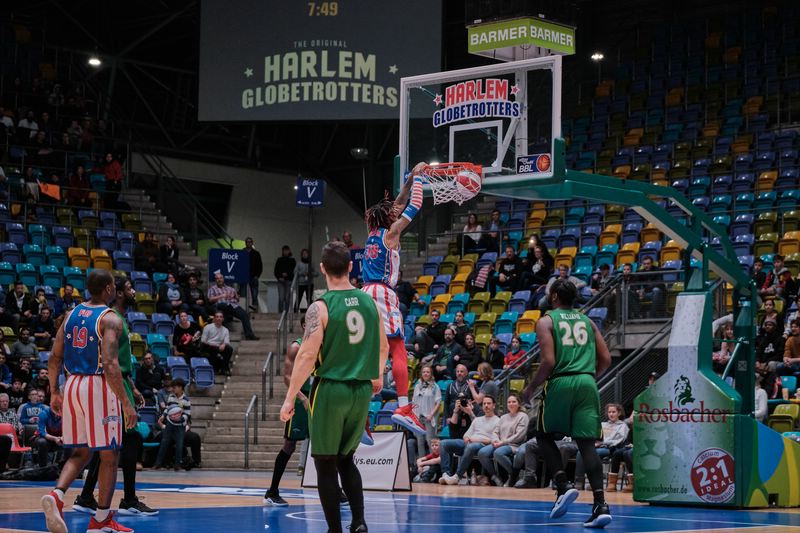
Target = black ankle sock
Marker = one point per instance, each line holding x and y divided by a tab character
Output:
280	466
561	480
599	497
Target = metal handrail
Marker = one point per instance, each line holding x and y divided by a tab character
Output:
280	330
267	370
251	408
734	356
609	379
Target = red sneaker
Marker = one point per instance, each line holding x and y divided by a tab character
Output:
109	525
53	509
404	416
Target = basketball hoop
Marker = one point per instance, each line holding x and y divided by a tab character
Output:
453	182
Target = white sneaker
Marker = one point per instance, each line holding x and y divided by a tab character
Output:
463	481
452	479
563	502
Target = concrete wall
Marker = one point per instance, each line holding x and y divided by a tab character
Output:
262	206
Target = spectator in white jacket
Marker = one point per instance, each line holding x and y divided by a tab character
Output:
762	405
508	436
480	433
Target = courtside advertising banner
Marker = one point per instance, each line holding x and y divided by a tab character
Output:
383	466
291	61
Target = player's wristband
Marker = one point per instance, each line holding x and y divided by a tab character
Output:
415	201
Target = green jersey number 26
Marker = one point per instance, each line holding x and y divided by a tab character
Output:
355	326
574	333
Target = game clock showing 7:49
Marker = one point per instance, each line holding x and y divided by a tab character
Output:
323	9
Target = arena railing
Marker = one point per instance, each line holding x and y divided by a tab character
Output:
267	372
252	409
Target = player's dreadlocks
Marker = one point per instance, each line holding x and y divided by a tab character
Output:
381	215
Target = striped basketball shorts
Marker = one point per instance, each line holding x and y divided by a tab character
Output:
389	307
92	414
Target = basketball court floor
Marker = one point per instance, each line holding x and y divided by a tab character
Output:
201	501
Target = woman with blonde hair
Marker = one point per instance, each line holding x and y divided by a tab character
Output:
508	436
488	386
426	400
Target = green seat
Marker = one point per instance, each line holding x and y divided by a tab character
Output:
449	265
485	324
791	220
765	223
479	303
499	303
784	418
765	244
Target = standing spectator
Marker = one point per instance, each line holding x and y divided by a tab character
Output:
149	378
487	387
304	275
186	337
515	353
43	328
426	400
23	349
16	393
509	272
507	438
20	304
649	290
479	434
470	355
191	439
406	294
169	254
50	436
173	430
113	172
225	299
458	404
472	233
284	273
256	269
195	298
216	344
5	373
77	195
443	362
491	240
495	356
170	296
347	239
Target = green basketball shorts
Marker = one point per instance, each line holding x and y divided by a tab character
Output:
338	412
571	407
297	427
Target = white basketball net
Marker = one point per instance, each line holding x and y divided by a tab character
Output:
442	180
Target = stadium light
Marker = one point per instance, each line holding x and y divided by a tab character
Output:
598	56
95	61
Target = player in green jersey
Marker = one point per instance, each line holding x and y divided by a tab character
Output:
345	347
573	355
131	439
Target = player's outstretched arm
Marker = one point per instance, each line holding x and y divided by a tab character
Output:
601	350
402	198
547	353
408	214
316	321
109	355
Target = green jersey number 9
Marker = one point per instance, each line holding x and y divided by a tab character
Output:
355	326
574	334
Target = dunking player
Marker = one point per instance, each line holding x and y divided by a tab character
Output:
386	221
94	400
573	355
131	439
346	349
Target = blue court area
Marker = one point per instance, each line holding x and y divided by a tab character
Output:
399	512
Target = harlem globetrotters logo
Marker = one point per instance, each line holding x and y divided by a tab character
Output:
712	476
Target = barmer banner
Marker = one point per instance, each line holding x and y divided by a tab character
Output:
295	60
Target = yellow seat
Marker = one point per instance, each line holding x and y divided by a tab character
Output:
482	341
527	323
138	346
101	259
79	258
145	303
790	243
423	284
610	234
459	283
478	303
650	233
670	252
766	180
628	254
467	263
440	303
566	256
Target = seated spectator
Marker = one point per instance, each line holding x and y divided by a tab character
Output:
186	337
615	433
406	294
170	297
23	349
29	411
538	267
508	436
460	326
458	404
5	374
77	193
114	177
601	279
428	339
472	234
479	434
8	415
509	272
491	239
169	254
16	394
28	123
42	382
66	302
304	275
43	328
20	304
762	402
771	286
470	355
23	371
758	274
648	288
195	298
494	356
50	437
515	353
720	358
149	378
215	343
791	356
164	393
527	457
41	300
563	273
225	299
146	256
426	400
483	387
443	361
770	313
429	466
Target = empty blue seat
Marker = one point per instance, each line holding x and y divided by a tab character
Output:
109	220
125	241
9	252
138	323
519	301
38	234
178	368
162	324
51	276
458	302
75	277
16	233
159	345
141	282
7	275
506	323
440	285
123	260
527	340
488	258
62	236
107	240
431	266
598	316
203	372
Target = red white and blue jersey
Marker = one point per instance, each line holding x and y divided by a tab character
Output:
83	340
380	264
